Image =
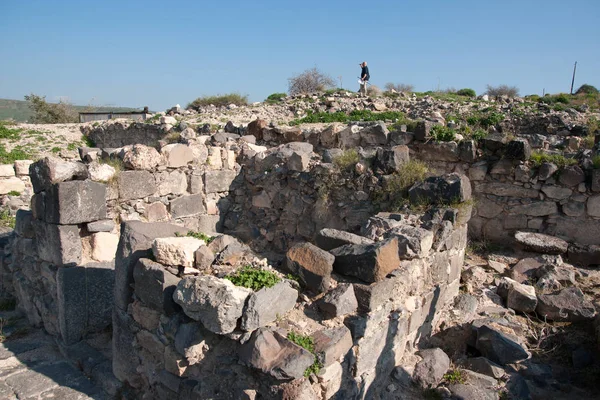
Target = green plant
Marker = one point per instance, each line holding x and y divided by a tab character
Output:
55	150
14	193
587	89
293	277
596	161
72	146
219	101
199	235
455	376
253	278
7	219
491	119
87	141
9	133
478	134
441	133
394	192
48	113
346	159
18	153
466	92
538	158
308	343
275	98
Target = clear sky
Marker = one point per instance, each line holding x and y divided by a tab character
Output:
160	53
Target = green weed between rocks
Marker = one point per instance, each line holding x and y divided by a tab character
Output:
348	158
596	162
441	133
307	343
199	235
253	278
537	158
356	115
394	191
6	219
455	376
219	101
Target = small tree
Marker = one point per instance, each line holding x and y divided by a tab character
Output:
587	89
399	87
502	90
49	113
310	81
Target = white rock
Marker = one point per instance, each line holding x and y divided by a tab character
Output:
22	167
7	170
101	172
104	246
256	148
177	155
12	184
176	250
142	157
168	120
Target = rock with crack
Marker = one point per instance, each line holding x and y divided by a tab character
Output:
568	305
215	302
339	301
432	367
267	304
176	250
541	243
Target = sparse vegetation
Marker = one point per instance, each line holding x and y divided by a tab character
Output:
502	90
275	98
14	193
355	115
395	188
7	219
219	101
348	158
455	376
466	92
18	153
538	158
49	113
596	162
441	133
253	278
202	236
399	87
307	343
310	81
587	89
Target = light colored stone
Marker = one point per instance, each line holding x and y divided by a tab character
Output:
557	192
142	158
13	184
156	212
22	167
593	206
177	155
7	170
268	304
168	120
174	182
541	243
101	172
518	296
104	246
176	250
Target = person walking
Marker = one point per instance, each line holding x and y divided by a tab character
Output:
364	77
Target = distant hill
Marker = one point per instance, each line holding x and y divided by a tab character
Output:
20	112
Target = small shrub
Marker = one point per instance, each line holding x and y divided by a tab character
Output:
87	141
538	158
219	101
72	146
441	133
395	190
587	89
596	161
49	113
455	376
307	343
253	278
14	193
355	115
310	81
491	119
479	134
557	98
7	219
466	92
374	91
399	87
348	158
275	98
502	90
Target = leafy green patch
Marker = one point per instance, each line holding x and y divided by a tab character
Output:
7	219
538	158
275	98
219	101
596	162
466	92
14	193
18	153
441	133
9	133
455	376
348	158
394	192
199	235
253	278
308	343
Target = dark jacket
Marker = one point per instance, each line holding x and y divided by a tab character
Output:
365	71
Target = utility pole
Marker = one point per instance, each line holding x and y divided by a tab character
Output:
573	81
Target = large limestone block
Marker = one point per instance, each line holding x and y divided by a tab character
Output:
142	157
312	264
104	246
275	355
268	304
177	155
186	206
176	250
370	263
215	302
12	184
58	244
136	185
155	286
75	202
7	170
446	189
174	182
218	181
22	167
101	172
50	170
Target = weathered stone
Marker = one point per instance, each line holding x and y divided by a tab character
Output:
218	181
422	130
582	231
136	185
190	341
298	162
525	269
7	170
217	303
478	171
13	184
467	151
50	170
22	167
557	192
24	224
275	355
391	160
497	266
546	170
596	180
203	257
176	250
541	243
475	386
584	255
488	208
502	167
508	190
571	176
196	184
484	366
412	241
374	135
312	264
174	182
573	209
255	128
145	316
174	362
370	263
438	151
329	239
177	155
75	202
141	157
536	209
432	367
155	286
104	246
498	346
446	189
58	244
268	304
339	301
518	296
185	206
593	206
332	344
156	212
329	136
523	173
566	305
349	138
101	172
518	149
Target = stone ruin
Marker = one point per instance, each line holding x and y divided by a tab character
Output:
367	284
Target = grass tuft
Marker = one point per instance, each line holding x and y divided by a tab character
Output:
253	278
347	159
219	101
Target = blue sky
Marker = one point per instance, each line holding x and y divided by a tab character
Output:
136	53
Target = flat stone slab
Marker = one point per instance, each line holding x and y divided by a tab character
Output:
540	243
